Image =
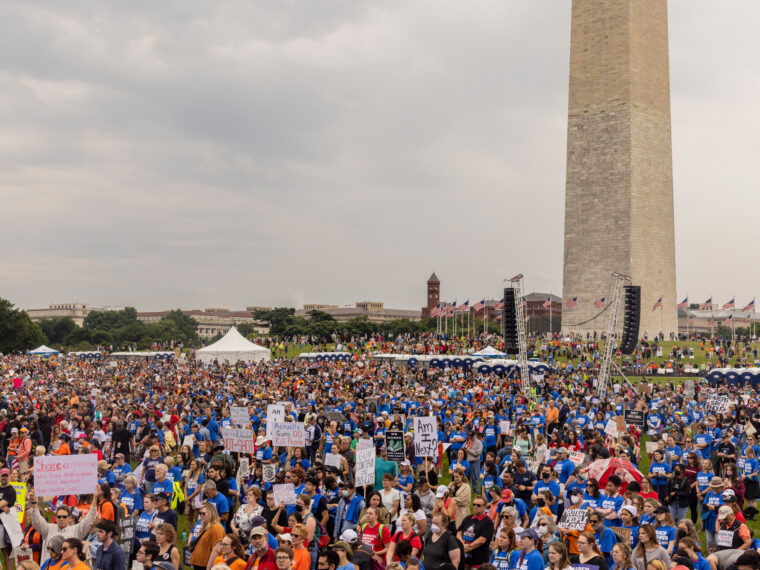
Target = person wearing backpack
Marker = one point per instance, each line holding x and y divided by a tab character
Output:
376	535
313	528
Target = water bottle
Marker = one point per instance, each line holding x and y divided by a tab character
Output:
184	537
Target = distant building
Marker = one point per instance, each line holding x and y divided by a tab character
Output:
210	323
542	319
433	295
75	311
374	311
255	308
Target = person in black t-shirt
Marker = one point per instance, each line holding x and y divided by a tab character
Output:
476	532
524	480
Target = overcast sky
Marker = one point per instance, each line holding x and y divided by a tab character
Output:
195	154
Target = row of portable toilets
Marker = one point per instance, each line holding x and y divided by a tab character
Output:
735	376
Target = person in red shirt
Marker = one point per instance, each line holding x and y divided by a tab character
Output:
406	533
263	557
376	535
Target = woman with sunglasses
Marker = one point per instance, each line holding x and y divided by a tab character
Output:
72	552
228	551
210	533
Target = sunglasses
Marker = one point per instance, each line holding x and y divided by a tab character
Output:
63	517
65	548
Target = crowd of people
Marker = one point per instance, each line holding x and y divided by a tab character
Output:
510	467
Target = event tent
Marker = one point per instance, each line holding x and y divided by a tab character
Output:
43	350
233	347
489	352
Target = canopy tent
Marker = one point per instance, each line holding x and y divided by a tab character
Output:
489	352
43	350
233	347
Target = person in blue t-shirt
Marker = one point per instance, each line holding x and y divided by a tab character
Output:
610	502
530	558
711	503
665	529
660	471
604	538
546	483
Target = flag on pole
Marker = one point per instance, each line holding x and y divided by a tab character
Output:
479	305
547	303
658	304
599	303
706	305
434	311
497	318
749	318
685	303
499	305
729	305
452	308
463	307
749	306
728	320
691	318
572	303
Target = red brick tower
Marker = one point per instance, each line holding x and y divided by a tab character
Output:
433	295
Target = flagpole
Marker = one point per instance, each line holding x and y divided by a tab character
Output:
711	316
551	330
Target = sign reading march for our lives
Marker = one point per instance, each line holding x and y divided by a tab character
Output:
635	418
426	437
573	519
65	475
288	434
241	440
275	415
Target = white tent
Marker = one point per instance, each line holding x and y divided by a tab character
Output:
43	350
233	347
489	352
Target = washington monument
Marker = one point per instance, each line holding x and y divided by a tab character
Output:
619	194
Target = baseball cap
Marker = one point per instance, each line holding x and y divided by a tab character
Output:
259	531
531	533
724	512
349	536
506	495
441	491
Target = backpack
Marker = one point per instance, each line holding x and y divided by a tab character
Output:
379	534
177	496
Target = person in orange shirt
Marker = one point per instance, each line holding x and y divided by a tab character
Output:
552	417
228	551
571	536
64	448
301	556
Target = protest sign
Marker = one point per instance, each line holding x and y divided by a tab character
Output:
573	519
651	447
576	457
688	386
65	475
242	440
725	538
275	414
717	404
365	467
611	428
635	418
333	460
585	566
290	434
505	427
364	444
394	445
244	471
20	505
425	437
284	493
240	416
623	533
268	472
12	527
189	441
126	540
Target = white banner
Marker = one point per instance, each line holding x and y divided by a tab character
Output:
242	440
275	414
239	416
65	475
426	437
284	493
291	434
365	467
333	460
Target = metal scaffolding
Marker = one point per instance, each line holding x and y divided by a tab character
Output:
610	342
522	337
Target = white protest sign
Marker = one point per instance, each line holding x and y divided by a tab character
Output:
275	414
244	471
651	447
65	475
364	444
242	440
268	471
284	494
577	457
333	460
291	434
189	441
239	416
725	538
365	467
504	427
717	404
611	428
13	528
425	437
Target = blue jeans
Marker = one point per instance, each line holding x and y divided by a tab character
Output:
678	513
474	475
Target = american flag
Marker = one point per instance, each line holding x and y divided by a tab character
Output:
658	304
749	306
497	318
435	311
729	305
572	303
749	318
706	305
728	320
479	305
452	308
685	303
499	306
464	306
691	318
599	303
547	303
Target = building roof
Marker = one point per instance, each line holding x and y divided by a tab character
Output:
197	313
542	297
433	278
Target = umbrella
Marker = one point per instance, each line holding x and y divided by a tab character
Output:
601	470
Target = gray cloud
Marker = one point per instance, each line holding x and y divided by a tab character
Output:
195	153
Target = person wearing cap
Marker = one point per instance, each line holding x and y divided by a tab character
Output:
604	538
262	557
531	558
109	556
24	450
733	538
564	466
345	554
712	502
120	470
263	450
105	475
61	526
163	512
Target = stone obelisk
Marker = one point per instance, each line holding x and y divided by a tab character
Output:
619	194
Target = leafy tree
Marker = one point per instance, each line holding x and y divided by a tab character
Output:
110	320
279	319
56	330
186	326
17	331
321	317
